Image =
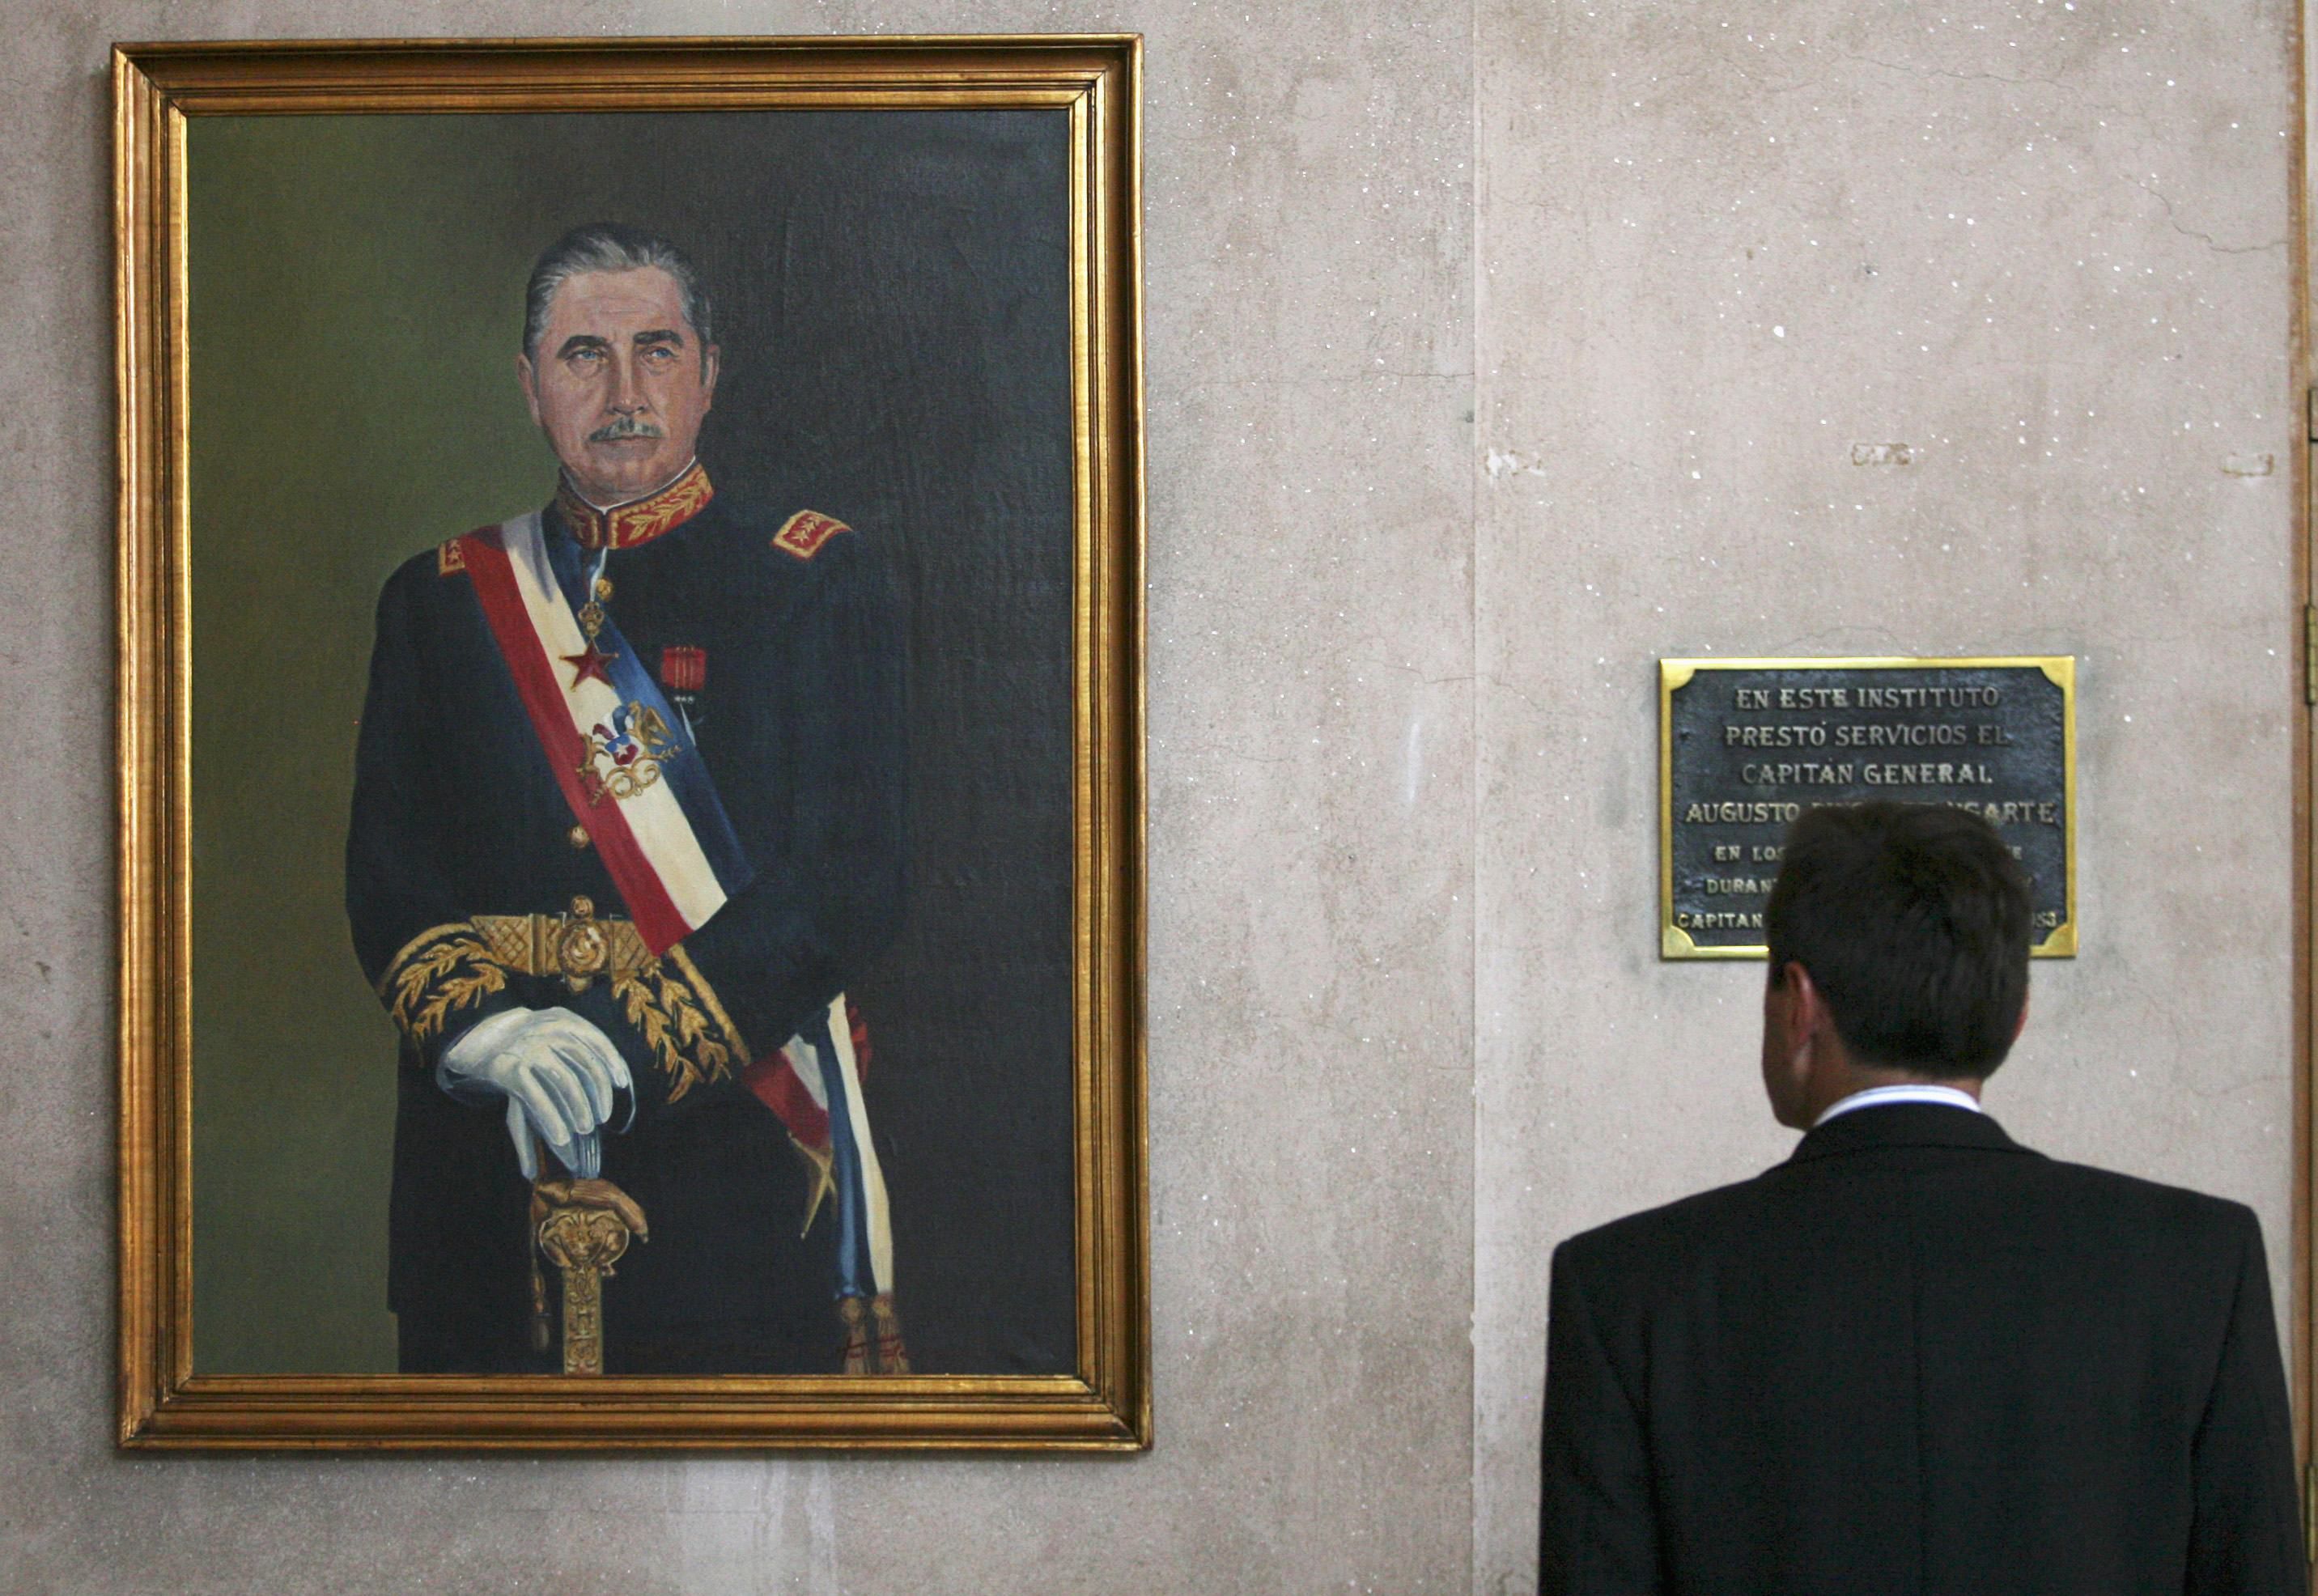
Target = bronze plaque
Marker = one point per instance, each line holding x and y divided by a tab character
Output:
1744	746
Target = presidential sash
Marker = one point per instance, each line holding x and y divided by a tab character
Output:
624	758
627	765
814	1084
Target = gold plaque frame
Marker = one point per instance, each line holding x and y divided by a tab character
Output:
1105	1404
2060	669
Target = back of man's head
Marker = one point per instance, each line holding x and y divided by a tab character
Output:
1913	921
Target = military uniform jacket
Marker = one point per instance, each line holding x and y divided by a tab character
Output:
780	642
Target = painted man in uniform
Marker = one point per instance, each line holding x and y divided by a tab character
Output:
627	820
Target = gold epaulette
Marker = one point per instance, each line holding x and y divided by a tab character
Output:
803	534
450	557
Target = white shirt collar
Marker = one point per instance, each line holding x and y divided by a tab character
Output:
1913	1093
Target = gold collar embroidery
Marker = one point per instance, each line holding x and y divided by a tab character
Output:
639	521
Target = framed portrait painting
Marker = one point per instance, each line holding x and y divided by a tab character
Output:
630	744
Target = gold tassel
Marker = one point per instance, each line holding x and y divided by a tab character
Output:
893	1358
821	1166
855	1317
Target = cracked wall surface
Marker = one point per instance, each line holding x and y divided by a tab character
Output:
1494	353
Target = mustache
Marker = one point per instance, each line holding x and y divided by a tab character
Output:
625	427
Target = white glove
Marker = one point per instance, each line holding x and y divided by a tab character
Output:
557	1072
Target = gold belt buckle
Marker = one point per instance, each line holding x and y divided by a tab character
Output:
579	945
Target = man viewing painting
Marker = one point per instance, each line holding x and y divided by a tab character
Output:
1917	1356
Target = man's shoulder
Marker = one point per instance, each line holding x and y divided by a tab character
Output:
2041	1191
1681	1225
749	554
2023	1185
786	535
2133	1199
428	576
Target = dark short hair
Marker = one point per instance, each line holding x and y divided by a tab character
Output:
1913	921
612	246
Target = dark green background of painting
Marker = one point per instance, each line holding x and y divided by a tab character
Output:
892	290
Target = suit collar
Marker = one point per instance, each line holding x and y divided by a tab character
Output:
1904	1125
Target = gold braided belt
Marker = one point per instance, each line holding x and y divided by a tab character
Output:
574	945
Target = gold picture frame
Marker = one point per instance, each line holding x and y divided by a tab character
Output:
1676	944
1103	1402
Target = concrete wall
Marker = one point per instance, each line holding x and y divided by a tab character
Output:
1492	353
2044	245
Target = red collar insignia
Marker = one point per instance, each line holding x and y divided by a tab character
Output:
639	521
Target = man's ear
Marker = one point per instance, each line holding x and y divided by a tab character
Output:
1787	1043
712	361
2021	1024
1809	1010
529	381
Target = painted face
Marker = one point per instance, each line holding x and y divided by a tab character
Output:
619	383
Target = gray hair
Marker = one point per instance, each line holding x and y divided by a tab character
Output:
612	246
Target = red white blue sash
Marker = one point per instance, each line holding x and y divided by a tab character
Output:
814	1084
623	758
629	770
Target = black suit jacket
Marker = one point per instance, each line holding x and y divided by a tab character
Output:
1918	1359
